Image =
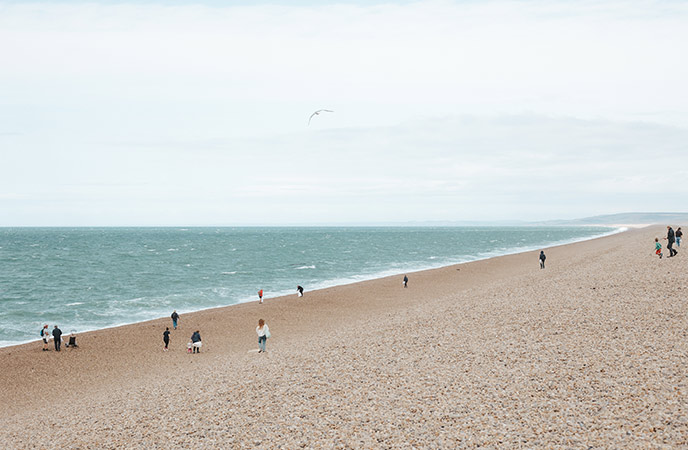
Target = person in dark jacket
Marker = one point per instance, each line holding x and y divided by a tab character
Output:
405	281
542	259
71	343
57	338
166	337
671	238
299	291
175	318
196	342
679	236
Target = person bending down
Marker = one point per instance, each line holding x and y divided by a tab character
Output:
196	342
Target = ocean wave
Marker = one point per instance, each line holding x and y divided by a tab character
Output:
141	291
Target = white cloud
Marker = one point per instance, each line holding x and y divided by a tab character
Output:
144	113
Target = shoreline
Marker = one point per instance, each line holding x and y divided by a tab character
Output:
614	229
495	353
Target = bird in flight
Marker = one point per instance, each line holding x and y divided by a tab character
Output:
317	113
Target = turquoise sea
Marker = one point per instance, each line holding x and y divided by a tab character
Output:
89	278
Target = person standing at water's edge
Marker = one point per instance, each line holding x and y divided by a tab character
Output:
45	335
260	296
299	291
671	238
405	281
166	337
57	337
175	319
263	335
542	259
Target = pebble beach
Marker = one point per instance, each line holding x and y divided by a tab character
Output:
589	353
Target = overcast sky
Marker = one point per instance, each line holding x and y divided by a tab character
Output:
196	113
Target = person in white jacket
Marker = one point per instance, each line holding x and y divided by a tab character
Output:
263	335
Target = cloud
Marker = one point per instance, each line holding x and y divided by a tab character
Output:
460	168
148	113
264	68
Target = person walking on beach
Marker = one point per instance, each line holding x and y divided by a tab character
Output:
405	281
175	318
45	335
260	296
57	337
679	235
196	342
263	335
542	259
658	248
671	238
166	337
299	291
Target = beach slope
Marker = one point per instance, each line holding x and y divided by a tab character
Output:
591	352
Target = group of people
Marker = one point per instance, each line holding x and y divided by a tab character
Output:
672	238
195	344
56	336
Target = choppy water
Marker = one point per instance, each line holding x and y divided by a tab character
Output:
89	278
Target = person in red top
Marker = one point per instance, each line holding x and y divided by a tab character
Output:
260	296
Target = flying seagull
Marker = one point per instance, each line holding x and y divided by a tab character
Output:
317	113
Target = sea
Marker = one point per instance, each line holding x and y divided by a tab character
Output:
85	279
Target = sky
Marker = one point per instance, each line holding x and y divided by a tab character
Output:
196	113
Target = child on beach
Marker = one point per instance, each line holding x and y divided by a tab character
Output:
658	248
260	296
189	346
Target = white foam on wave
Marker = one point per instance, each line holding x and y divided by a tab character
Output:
304	267
228	273
74	304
